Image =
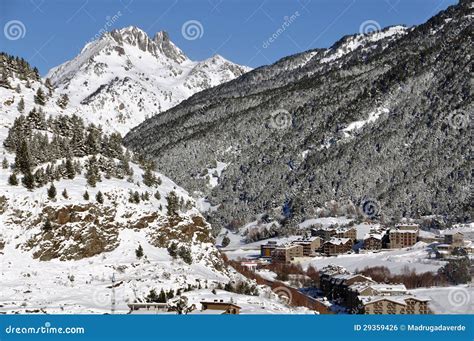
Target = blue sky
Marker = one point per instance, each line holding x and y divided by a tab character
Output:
53	31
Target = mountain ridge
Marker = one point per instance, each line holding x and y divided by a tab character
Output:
336	122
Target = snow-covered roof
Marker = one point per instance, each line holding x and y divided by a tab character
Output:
333	270
403	231
401	299
373	235
338	241
389	287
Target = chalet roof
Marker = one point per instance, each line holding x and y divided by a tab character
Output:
380	287
403	231
400	299
331	270
221	302
287	246
373	235
338	241
305	241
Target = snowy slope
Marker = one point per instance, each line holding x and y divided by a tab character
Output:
70	268
125	77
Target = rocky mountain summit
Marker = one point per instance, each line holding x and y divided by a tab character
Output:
126	76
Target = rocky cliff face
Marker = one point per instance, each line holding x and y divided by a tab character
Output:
381	118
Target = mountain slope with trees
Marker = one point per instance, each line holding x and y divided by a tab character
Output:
380	118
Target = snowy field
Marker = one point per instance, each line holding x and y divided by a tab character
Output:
449	300
414	257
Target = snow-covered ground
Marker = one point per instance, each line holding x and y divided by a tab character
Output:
449	300
265	303
414	257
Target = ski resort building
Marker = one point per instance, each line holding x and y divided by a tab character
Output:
286	253
310	245
336	246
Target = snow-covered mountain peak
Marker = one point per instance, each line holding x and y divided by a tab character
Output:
125	76
159	46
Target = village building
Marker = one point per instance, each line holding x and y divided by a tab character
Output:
455	239
250	265
219	306
287	253
148	308
407	227
326	274
346	232
373	241
336	246
403	237
402	304
340	286
325	233
266	250
310	245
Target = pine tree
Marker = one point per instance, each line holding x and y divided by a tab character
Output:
63	101
139	252
28	180
92	174
21	105
225	241
136	197
162	297
149	178
22	158
12	180
70	171
40	97
64	194
173	204
86	195
47	225
99	197
5	163
4	82
18	89
157	195
152	297
49	86
52	191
